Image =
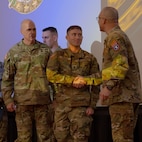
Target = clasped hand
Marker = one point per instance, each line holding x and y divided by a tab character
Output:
79	82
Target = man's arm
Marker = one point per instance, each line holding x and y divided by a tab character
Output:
8	80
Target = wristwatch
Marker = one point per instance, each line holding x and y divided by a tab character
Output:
110	84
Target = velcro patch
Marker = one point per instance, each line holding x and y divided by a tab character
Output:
115	45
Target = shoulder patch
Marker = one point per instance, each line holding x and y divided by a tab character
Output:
114	44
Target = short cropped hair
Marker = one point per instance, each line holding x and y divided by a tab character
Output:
51	29
74	27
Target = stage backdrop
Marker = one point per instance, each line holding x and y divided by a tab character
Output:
63	13
58	13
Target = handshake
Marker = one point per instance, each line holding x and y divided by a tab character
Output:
79	82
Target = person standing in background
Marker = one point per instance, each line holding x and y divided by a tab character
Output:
50	38
25	76
121	89
76	72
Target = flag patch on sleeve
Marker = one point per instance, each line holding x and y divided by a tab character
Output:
115	45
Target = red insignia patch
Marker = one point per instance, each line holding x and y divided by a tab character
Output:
115	45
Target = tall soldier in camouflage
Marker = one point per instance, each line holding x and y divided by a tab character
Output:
3	113
121	77
25	76
75	72
50	38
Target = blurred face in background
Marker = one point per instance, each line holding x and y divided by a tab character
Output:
49	38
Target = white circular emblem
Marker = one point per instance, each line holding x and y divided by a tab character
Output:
24	6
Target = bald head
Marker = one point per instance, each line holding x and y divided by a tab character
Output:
28	30
108	19
110	13
25	23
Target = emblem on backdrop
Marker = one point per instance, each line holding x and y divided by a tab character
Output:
24	6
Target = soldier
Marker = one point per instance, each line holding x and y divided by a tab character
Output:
25	76
50	38
121	77
76	72
3	113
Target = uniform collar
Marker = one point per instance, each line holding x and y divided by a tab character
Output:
80	54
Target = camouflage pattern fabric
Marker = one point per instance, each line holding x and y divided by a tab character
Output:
63	67
52	88
120	68
29	62
24	118
3	113
71	121
1	73
25	76
51	112
123	121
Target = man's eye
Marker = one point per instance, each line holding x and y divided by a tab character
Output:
31	29
45	37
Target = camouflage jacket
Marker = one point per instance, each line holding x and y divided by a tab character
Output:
64	66
120	68
25	74
1	72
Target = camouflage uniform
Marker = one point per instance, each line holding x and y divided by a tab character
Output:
51	107
120	71
71	122
3	113
25	75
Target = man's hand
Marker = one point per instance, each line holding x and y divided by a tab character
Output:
89	111
79	82
11	107
104	93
